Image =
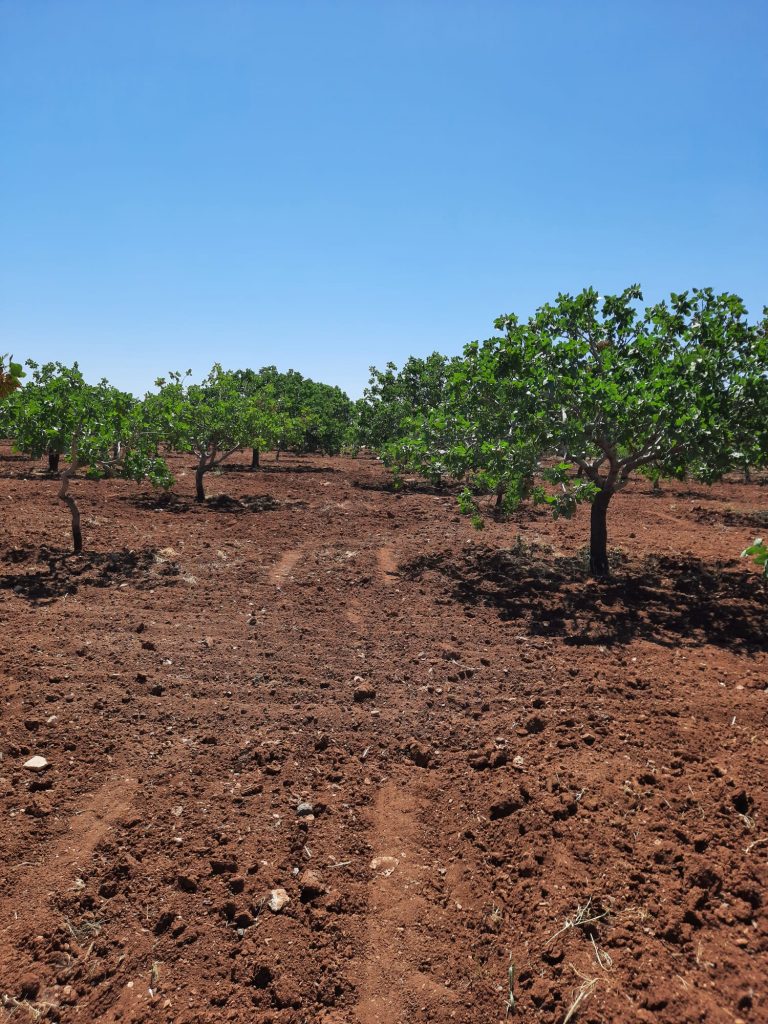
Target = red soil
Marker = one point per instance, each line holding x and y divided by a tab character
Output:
492	746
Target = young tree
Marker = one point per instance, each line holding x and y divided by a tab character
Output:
264	415
212	420
96	426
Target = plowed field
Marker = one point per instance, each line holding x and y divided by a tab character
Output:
488	788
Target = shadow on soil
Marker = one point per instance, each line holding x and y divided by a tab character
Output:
28	474
169	502
407	487
274	468
669	601
757	520
45	574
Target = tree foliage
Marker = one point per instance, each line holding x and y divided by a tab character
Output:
11	374
588	391
758	552
396	402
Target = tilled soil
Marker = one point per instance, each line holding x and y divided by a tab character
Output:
490	789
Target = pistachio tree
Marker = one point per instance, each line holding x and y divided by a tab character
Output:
264	414
211	420
466	424
608	387
44	414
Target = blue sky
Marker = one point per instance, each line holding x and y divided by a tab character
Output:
325	185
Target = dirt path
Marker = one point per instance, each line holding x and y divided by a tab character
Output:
282	568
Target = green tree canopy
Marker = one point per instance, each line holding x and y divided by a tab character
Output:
212	420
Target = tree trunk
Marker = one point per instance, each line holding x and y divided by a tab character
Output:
69	501
277	454
598	537
255	458
747	475
199	488
53	461
499	506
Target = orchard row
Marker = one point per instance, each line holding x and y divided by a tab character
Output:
563	407
107	432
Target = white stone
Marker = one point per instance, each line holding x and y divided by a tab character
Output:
385	865
36	764
277	900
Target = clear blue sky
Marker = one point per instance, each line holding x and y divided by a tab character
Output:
324	185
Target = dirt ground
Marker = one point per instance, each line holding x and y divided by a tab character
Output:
488	788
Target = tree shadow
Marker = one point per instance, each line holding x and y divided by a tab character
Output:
238	467
690	492
168	501
409	487
757	520
670	601
165	501
45	574
28	474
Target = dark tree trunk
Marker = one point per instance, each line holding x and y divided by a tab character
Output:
598	536
499	506
747	475
69	501
277	454
199	488
255	458
77	535
53	461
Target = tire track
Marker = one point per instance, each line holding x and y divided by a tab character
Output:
392	987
